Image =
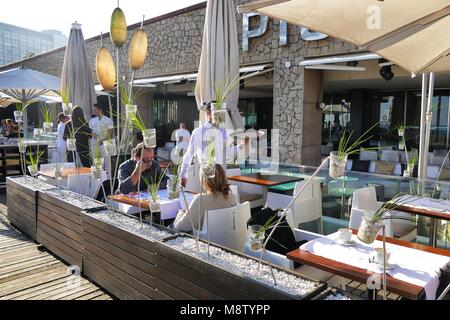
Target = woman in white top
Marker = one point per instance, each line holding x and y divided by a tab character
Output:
61	146
218	197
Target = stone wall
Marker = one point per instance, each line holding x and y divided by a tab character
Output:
175	42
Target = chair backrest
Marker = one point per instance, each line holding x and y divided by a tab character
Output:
365	199
368	155
83	181
233	172
277	201
100	196
389	155
95	185
235	191
228	227
308	206
193	177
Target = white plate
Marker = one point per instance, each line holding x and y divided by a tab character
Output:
389	266
352	242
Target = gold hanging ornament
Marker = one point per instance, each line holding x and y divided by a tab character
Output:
137	53
105	68
118	30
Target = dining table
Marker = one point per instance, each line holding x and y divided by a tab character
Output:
436	209
414	273
264	181
65	173
129	203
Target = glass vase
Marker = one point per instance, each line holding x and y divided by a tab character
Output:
110	147
33	169
368	231
208	170
22	146
48	127
71	144
67	109
18	116
337	165
173	189
219	116
130	111
37	133
96	173
149	136
256	236
155	206
98	163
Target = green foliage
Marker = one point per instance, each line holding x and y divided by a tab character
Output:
127	98
136	121
34	159
48	113
345	149
225	86
65	95
383	212
153	184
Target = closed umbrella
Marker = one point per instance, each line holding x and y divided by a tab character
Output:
220	57
76	74
412	34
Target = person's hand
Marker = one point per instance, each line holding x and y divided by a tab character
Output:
246	140
142	168
184	182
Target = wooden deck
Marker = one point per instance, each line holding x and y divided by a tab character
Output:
29	272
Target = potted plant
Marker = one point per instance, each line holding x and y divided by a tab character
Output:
153	187
33	162
97	163
22	146
410	166
173	184
208	167
18	114
373	221
37	133
149	135
221	92
47	115
72	140
338	159
67	107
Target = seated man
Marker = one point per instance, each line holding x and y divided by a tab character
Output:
130	170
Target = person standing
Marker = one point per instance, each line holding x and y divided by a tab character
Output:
102	129
61	146
78	127
183	137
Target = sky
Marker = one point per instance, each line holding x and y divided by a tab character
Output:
94	15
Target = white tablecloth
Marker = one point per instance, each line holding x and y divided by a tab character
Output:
169	208
426	203
413	266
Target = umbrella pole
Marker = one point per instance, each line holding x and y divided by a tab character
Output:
131	85
118	91
422	154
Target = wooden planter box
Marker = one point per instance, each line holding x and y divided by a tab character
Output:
117	259
182	276
59	226
22	204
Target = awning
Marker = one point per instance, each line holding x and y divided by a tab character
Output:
248	71
341	59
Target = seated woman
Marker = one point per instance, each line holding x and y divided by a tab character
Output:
218	197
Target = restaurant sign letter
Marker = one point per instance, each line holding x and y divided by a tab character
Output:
262	28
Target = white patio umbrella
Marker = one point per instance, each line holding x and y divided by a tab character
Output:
77	74
412	34
27	85
220	57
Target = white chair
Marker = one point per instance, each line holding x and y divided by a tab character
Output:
307	207
235	192
193	179
389	155
233	172
368	155
84	180
227	227
365	200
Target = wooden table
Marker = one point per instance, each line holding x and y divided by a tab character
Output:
66	172
399	287
265	181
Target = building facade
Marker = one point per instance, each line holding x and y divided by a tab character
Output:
17	43
286	98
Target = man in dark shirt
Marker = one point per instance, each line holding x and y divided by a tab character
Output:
130	170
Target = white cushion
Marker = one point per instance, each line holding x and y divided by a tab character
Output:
368	155
432	172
